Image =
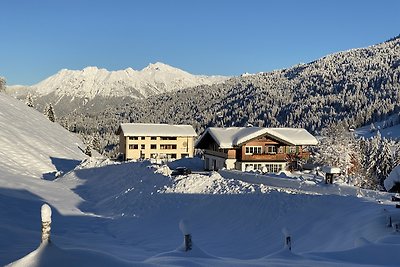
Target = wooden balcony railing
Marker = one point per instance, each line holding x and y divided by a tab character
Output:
275	157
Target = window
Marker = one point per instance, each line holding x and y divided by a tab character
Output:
184	156
153	146
271	149
133	138
133	146
214	147
153	155
142	146
273	167
143	138
250	150
167	146
168	138
258	166
153	138
292	149
171	156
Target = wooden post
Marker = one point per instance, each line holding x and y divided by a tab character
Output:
46	222
188	242
288	239
187	237
288	242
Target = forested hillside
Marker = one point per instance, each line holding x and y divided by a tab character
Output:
355	87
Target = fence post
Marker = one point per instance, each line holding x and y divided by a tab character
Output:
187	237
288	239
46	222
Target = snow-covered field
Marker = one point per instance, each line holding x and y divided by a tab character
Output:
391	132
128	214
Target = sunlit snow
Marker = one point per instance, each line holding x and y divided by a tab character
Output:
106	213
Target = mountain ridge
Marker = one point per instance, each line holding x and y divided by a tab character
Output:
92	81
94	88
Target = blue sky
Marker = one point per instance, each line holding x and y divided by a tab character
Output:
40	37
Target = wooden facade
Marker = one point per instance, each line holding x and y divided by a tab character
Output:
259	153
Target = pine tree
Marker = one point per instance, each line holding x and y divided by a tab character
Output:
396	155
372	164
49	112
95	144
88	150
384	161
29	101
2	84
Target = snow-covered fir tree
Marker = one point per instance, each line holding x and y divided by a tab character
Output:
88	150
29	101
49	112
339	148
384	161
372	167
95	143
2	84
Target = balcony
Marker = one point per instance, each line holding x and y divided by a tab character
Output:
275	157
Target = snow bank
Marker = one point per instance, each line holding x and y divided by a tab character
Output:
49	255
392	179
211	184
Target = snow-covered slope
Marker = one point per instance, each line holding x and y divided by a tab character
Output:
31	144
370	130
31	148
127	214
232	223
91	82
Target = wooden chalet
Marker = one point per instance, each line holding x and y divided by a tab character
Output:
256	148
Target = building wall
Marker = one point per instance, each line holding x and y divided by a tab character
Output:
122	143
213	163
143	147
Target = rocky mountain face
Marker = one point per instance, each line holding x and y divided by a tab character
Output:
91	89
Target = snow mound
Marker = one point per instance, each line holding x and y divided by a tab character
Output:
393	178
212	184
49	255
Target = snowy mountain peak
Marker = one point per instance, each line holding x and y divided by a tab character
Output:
91	69
158	66
93	81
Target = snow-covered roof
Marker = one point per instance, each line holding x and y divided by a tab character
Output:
330	169
151	129
235	136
